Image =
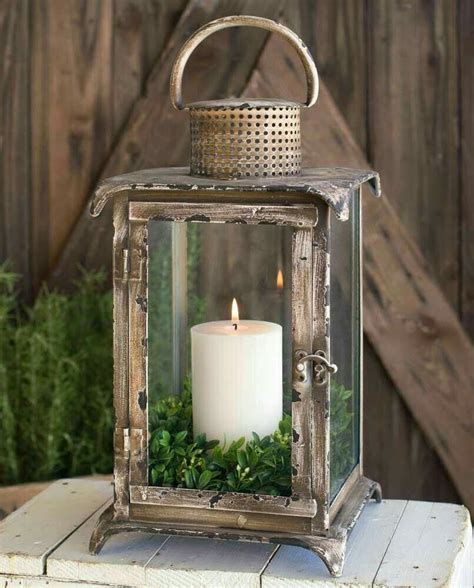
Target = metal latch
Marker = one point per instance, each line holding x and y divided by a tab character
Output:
322	366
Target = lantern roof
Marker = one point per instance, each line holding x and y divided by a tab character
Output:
334	186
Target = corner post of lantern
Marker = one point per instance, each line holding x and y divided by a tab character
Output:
187	461
320	343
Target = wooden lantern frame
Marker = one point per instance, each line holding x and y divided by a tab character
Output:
307	518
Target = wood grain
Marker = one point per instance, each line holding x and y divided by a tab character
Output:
15	139
413	91
26	540
338	35
408	320
154	132
466	129
71	96
438	535
124	556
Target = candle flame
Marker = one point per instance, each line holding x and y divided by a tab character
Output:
235	312
280	280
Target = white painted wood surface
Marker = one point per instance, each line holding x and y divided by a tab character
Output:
396	543
29	534
122	558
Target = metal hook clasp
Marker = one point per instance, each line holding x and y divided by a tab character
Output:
322	366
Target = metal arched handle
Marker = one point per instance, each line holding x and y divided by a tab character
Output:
237	21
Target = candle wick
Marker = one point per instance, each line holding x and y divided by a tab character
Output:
235	326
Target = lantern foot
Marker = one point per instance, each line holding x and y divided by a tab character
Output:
107	526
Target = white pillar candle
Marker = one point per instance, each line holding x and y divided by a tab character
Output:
237	379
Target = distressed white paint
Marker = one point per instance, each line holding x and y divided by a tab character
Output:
186	561
122	558
396	543
43	582
428	547
29	534
365	549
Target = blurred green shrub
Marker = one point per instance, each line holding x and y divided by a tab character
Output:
56	410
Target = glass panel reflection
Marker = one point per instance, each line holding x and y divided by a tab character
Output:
219	385
345	346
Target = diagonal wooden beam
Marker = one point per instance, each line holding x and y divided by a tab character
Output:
407	318
156	134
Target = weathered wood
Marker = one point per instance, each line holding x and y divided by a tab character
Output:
338	34
185	561
423	549
71	130
141	29
154	132
413	49
27	539
319	426
124	558
232	501
466	129
293	566
302	397
121	271
297	216
396	452
137	352
335	186
407	318
15	39
441	544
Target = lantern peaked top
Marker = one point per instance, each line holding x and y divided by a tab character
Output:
335	186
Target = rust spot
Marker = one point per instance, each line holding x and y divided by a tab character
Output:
142	303
142	399
214	500
296	436
295	396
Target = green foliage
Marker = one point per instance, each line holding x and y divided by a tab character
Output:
257	465
341	433
260	465
55	382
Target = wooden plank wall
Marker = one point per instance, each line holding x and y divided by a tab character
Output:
401	71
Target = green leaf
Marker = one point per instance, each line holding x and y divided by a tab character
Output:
242	458
181	436
204	479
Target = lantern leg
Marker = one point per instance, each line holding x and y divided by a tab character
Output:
331	551
106	527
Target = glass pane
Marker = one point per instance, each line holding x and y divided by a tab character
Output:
345	346
214	379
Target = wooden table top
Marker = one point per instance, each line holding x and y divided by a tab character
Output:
395	543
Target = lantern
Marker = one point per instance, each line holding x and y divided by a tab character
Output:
237	332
